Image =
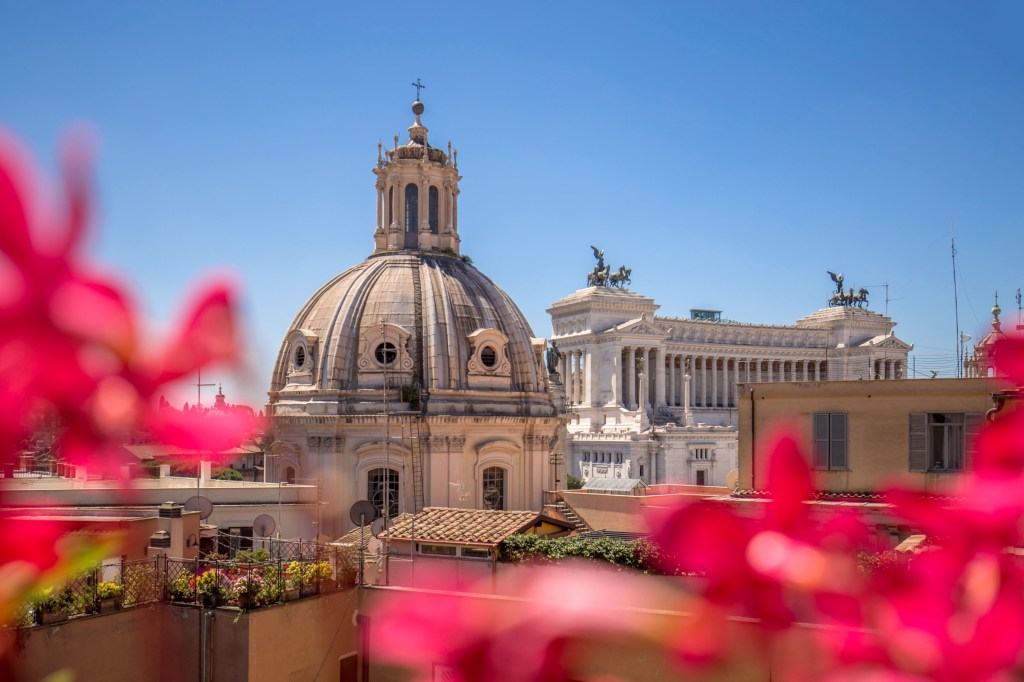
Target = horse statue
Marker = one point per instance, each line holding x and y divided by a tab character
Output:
621	278
599	276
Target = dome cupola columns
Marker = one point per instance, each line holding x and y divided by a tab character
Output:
417	194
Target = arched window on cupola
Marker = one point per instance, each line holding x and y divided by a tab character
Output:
391	203
412	205
433	209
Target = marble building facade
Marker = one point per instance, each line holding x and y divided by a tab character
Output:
656	398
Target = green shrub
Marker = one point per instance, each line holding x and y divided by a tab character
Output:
226	474
573	483
637	554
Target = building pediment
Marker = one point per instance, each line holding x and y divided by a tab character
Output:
887	342
640	327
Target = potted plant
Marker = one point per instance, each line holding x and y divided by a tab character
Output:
247	589
293	581
182	588
51	605
109	595
321	574
213	587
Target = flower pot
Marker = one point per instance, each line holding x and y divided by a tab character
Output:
109	605
211	600
328	585
51	617
309	590
291	593
244	601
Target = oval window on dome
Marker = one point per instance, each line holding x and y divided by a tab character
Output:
300	357
489	357
386	353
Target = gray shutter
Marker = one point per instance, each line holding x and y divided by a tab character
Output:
972	426
820	440
837	441
918	441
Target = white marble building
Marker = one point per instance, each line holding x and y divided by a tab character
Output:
656	397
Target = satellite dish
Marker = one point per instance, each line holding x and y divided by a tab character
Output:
376	527
199	504
362	512
264	525
732	479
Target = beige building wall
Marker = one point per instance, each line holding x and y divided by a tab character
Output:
303	640
878	414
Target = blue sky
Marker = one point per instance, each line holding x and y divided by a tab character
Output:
729	152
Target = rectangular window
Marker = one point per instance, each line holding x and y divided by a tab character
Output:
438	550
701	477
830	441
942	441
476	553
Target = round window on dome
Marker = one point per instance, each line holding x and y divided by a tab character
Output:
489	357
386	353
300	357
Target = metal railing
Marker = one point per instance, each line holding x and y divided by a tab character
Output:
301	570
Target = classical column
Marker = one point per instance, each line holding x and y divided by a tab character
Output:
380	206
670	359
631	377
701	397
615	376
570	388
576	377
714	382
688	415
658	359
899	369
728	381
817	370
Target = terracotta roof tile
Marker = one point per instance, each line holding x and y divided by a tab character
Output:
443	524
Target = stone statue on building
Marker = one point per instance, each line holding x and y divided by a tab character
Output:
602	276
857	299
554	356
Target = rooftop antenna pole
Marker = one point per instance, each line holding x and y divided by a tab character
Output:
1020	318
387	450
956	307
199	387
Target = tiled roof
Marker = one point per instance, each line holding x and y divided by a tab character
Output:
483	526
354	536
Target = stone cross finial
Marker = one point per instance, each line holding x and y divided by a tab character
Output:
418	86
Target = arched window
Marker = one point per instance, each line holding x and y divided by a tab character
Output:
289	475
432	194
494	488
381	484
412	206
390	218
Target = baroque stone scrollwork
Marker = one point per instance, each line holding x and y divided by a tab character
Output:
329	443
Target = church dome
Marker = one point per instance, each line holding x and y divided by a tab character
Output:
415	316
419	319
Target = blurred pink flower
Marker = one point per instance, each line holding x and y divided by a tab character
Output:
69	338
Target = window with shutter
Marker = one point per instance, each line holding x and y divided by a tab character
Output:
830	441
942	441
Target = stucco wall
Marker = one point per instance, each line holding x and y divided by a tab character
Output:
877	419
302	640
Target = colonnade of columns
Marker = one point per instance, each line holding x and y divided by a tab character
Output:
713	378
888	369
573	364
391	204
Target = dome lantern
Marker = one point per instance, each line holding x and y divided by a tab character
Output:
417	194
